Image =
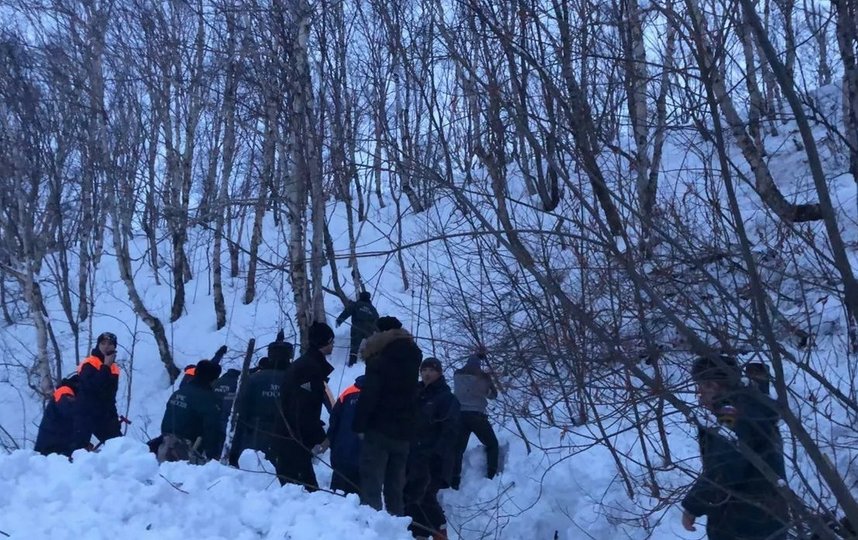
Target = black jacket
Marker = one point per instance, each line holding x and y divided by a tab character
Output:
388	400
364	317
731	491
57	430
436	427
194	411
302	397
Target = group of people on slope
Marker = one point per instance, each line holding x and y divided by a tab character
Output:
397	435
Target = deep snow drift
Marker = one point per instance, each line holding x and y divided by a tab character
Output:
121	492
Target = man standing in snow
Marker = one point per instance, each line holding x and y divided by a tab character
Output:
737	497
258	409
364	317
302	395
433	452
98	381
473	389
344	442
385	414
191	427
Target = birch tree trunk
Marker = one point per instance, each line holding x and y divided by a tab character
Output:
636	91
221	201
266	180
847	42
764	182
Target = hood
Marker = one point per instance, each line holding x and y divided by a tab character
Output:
378	341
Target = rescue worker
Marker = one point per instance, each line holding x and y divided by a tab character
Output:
189	371
225	387
385	414
344	442
364	317
303	393
259	414
473	388
433	452
737	498
191	427
98	381
57	428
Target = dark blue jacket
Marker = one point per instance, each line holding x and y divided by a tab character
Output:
436	427
731	491
194	411
57	429
363	315
345	444
96	398
225	387
259	413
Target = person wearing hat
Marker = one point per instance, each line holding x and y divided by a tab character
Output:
432	454
473	388
364	317
303	394
190	370
57	428
98	381
258	408
191	427
735	493
385	414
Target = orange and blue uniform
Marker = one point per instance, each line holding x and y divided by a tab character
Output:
345	444
57	429
97	384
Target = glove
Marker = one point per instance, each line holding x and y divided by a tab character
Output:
339	323
219	355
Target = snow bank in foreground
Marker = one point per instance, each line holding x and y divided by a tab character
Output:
121	492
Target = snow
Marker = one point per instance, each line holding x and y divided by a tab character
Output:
568	485
121	492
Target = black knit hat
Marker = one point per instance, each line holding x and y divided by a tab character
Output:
319	334
109	337
721	368
432	363
365	296
280	354
206	372
388	323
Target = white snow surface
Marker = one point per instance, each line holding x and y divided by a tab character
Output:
121	492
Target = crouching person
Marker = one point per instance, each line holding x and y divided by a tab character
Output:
191	427
57	433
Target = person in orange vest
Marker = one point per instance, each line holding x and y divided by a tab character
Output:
98	381
57	429
344	442
191	370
